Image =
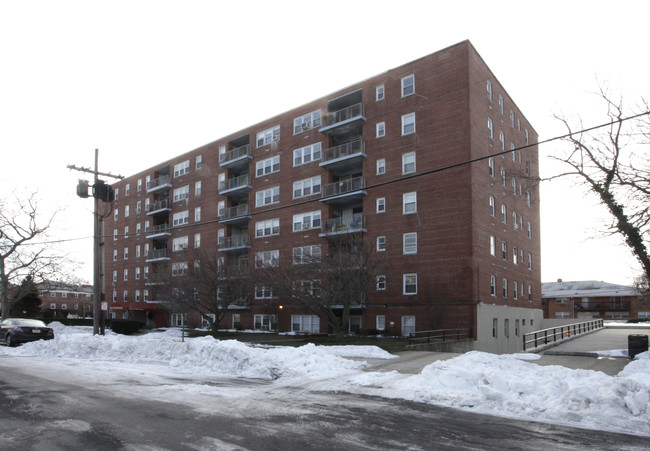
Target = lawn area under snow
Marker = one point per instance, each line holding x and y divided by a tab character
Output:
504	385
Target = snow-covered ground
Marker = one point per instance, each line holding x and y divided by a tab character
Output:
504	385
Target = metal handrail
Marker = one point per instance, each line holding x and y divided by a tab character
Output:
551	335
440	335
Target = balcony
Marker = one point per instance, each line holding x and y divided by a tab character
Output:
157	232
235	243
236	159
161	206
346	158
238	215
344	192
158	255
236	188
609	306
339	226
345	120
160	184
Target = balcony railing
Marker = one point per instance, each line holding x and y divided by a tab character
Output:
345	114
232	242
234	154
235	182
343	187
344	150
344	225
234	212
603	306
157	230
158	206
161	182
158	254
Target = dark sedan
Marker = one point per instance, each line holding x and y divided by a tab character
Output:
21	330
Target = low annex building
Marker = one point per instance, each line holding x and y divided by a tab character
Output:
432	162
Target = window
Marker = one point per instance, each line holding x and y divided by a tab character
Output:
516	328
502	140
197	240
409	203
306	221
381	205
267	136
408	124
410	243
501	105
492	202
380	129
179	269
506	328
380	322
116	193
515	224
114	255
530	262
504	214
530	298
515	255
381	166
146	276
408	163
197	214
116	213
530	230
181	218
526	131
493	246
177	320
267	196
221	208
491	167
528	198
267	228
197	188
181	193
267	259
490	128
182	168
493	286
137	295
512	119
267	166
488	86
515	290
504	250
380	93
408	325
308	287
139	185
305	323
503	177
306	122
199	162
505	288
408	85
137	273
180	243
126	274
495	327
236	320
126	231
126	253
138	206
514	186
410	284
127	189
307	154
263	292
264	322
381	243
126	211
306	254
306	187
64	294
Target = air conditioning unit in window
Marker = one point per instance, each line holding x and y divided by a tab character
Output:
305	126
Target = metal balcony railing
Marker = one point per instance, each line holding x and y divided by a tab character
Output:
344	150
157	254
340	225
343	187
234	212
236	241
160	205
234	154
160	181
344	114
157	229
235	182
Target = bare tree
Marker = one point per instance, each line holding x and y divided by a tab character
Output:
20	255
614	164
205	283
328	283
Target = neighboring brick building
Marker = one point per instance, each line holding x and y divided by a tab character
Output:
589	299
387	157
64	301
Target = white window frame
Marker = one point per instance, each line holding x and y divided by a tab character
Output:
381	244
266	259
182	168
408	163
181	218
307	221
409	203
267	136
181	193
268	196
408	85
197	188
307	187
197	214
381	205
380	93
306	122
263	292
381	166
306	254
408	124
307	154
199	162
267	166
380	129
410	243
490	127
269	227
305	323
380	322
180	243
409	284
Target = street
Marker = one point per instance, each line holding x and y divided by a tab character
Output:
73	408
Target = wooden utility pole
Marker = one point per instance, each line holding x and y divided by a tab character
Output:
100	192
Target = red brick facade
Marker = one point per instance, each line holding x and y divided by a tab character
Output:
451	95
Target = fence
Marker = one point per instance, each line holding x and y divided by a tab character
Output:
439	336
553	334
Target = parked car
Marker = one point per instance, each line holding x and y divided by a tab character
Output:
21	330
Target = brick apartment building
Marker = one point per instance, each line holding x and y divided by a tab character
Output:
66	301
388	157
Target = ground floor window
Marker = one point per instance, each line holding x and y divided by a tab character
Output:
617	315
408	325
177	320
563	314
645	315
265	322
355	324
305	323
236	321
380	323
205	324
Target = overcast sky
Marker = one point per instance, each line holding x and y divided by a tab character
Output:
144	81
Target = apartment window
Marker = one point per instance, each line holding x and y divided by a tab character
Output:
306	221
263	292
305	323
307	154
505	288
116	193
267	166
410	243
506	328
126	211
410	284
515	224
138	206
380	322
381	166
504	214
197	188
267	136
221	208
146	276
381	205
408	163
490	128
501	105
267	259
381	243
492	206
381	283
515	255
267	228
515	290
182	168
126	231
380	93
530	230
530	298
114	298
504	250
137	295
197	214
197	240
502	140
514	186
306	122
137	273
512	119
126	253
493	246
530	262
306	254
488	86
125	295
180	243
408	124
493	286
491	167
380	129
116	214
139	185
516	328
306	187
114	276
528	198
181	193
127	189
503	177
179	269
126	274
408	85
181	218
526	132
267	196
199	162
409	203
527	168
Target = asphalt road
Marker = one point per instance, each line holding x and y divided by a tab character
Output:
40	412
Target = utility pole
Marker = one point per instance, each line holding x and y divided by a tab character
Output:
102	192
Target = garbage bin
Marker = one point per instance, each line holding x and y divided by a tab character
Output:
636	344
